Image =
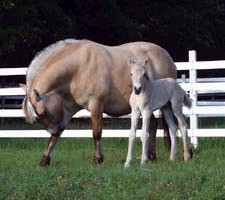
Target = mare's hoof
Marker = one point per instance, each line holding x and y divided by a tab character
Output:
191	153
98	160
45	161
190	156
152	156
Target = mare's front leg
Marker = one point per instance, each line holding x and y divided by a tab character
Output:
55	135
96	110
152	138
135	114
146	115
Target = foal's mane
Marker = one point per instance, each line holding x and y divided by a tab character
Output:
37	63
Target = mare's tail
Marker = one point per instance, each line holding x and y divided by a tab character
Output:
28	109
187	101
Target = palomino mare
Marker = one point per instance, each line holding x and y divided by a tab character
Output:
74	74
149	95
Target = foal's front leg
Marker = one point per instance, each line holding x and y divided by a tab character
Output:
135	114
146	115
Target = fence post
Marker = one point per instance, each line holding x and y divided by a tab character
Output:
193	95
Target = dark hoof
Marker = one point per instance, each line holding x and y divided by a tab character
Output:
152	156
195	151
45	161
191	153
98	160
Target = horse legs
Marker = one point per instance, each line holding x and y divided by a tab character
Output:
146	114
96	120
183	128
152	138
134	123
46	158
167	139
169	118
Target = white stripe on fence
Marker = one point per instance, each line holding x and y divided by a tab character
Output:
193	84
108	133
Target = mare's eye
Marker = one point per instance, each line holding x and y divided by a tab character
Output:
131	74
44	113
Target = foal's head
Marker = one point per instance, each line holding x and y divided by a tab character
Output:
138	74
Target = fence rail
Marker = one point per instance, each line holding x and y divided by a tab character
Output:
193	84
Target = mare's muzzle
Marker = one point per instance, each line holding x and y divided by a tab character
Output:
137	90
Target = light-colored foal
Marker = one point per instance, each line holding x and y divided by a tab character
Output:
150	95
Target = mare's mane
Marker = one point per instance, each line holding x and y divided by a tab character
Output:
41	56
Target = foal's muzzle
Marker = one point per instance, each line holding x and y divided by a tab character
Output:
137	90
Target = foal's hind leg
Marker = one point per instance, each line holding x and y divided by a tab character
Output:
169	118
183	128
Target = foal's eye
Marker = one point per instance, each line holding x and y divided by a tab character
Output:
131	74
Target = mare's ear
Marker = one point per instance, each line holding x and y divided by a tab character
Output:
37	96
23	86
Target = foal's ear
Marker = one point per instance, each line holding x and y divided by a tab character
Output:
37	96
146	61
131	62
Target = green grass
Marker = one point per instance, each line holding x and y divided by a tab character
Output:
72	174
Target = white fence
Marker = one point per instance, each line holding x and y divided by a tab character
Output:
194	85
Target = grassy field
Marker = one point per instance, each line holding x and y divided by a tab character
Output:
72	175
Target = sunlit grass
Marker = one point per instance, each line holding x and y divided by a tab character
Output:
73	175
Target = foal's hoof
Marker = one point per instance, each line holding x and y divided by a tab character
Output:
45	161
98	160
126	165
152	156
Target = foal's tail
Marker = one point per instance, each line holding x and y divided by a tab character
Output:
187	101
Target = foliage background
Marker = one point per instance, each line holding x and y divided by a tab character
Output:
28	26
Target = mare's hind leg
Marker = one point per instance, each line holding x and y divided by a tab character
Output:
183	128
96	110
169	118
152	138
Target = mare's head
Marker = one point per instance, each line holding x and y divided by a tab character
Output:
138	74
50	111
